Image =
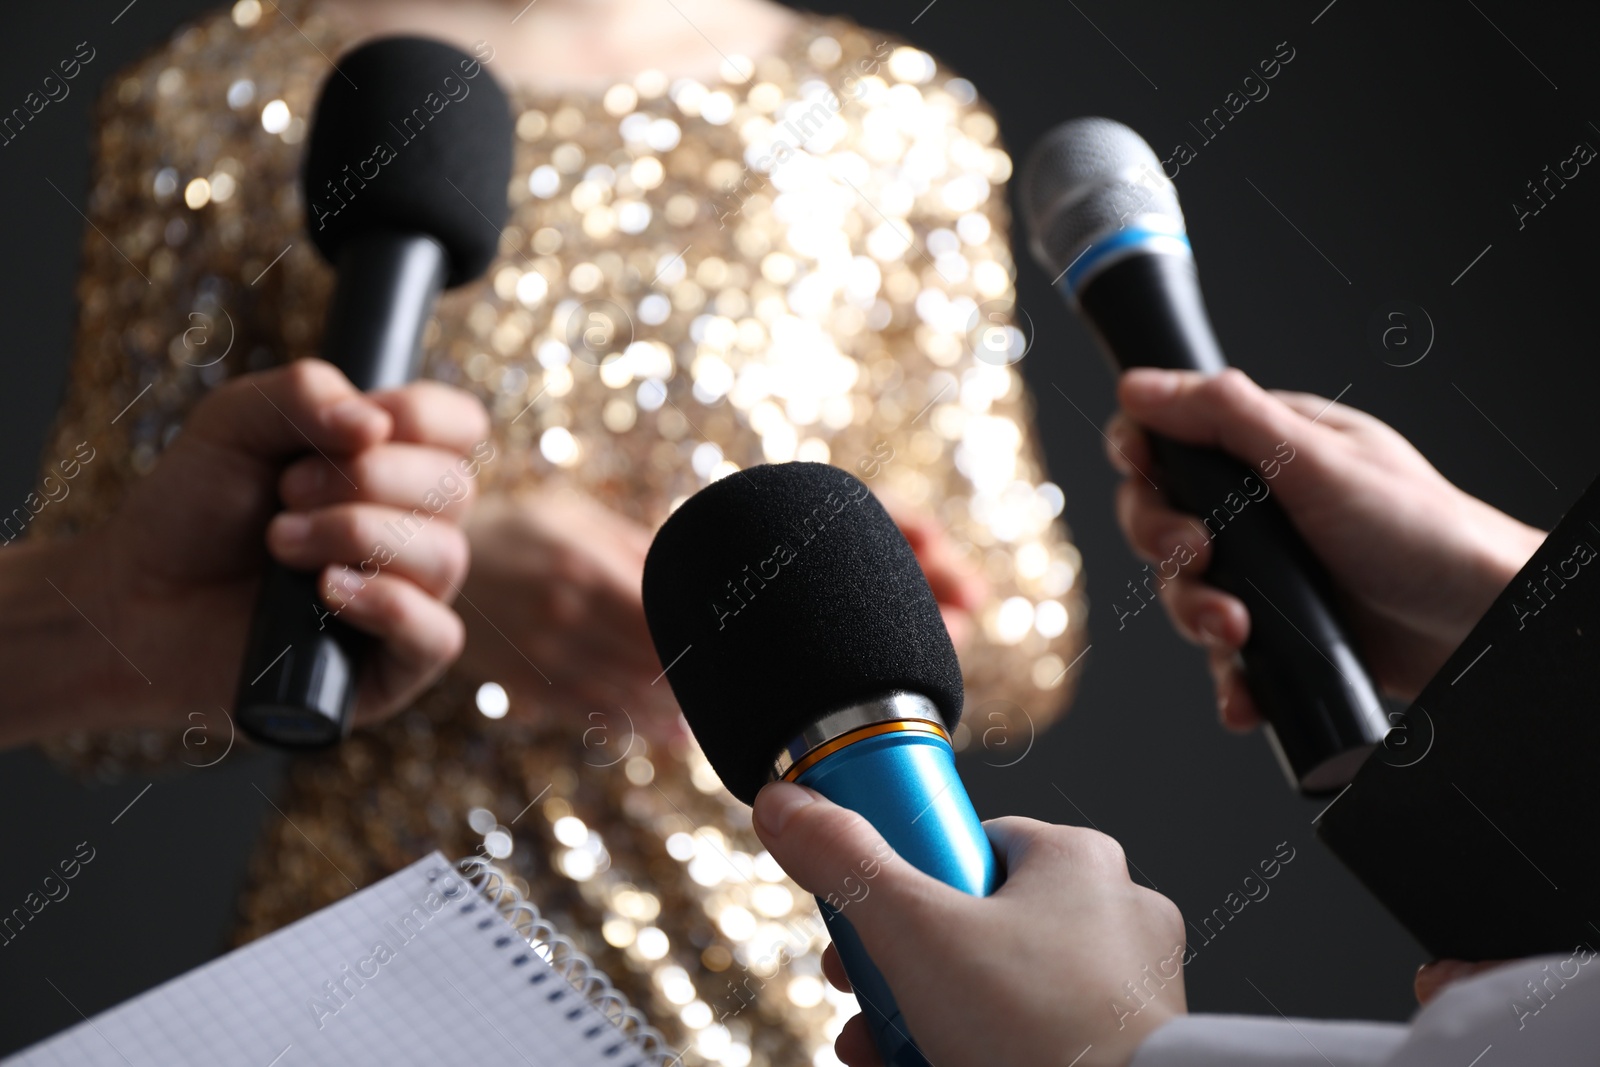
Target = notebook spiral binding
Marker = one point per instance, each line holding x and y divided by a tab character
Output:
567	960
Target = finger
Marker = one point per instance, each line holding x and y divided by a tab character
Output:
959	624
1323	411
951	579
835	854
397	474
833	969
1205	615
854	1045
432	413
1226	411
305	406
1013	839
1236	707
612	728
914	526
1158	532
1127	447
1041	854
372	538
603	614
586	664
419	636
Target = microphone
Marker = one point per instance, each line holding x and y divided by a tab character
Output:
1104	219
405	186
804	644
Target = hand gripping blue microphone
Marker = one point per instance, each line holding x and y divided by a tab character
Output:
805	644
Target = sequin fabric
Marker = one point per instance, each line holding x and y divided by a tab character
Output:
806	260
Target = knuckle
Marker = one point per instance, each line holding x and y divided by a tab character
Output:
1224	391
390	609
1160	911
467	492
230	391
303	377
474	415
1148	521
409	401
1128	507
1233	391
567	607
833	832
451	636
1069	844
1014	824
1232	382
345	527
1102	851
455	553
1168	913
223	403
366	469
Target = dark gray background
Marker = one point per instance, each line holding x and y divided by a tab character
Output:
1392	148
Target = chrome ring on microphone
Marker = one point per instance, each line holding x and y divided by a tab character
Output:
837	729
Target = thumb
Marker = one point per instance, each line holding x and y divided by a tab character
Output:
836	855
1226	411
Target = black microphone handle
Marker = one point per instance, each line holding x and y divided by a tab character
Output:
298	679
1321	706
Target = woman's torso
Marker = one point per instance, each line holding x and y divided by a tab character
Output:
666	306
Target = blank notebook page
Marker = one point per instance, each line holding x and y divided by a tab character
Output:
417	969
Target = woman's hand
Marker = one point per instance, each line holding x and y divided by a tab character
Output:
1039	972
170	583
1416	560
555	612
957	585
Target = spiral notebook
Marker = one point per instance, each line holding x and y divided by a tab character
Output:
435	964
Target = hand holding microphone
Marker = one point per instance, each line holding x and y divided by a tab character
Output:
1416	560
170	580
803	644
1033	974
405	186
1104	221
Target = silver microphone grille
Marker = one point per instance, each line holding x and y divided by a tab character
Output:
1088	178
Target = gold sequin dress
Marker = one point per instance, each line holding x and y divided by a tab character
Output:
804	261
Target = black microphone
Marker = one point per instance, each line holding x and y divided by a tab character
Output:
405	187
803	643
1103	219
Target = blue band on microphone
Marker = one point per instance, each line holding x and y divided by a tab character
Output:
1128	241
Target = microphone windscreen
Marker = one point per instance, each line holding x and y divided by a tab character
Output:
410	135
1087	178
779	594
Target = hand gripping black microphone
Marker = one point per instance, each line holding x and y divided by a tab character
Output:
803	644
405	189
1103	219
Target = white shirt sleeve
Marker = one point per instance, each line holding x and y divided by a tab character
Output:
1538	1011
1260	1041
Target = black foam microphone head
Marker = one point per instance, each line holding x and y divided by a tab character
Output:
780	594
413	136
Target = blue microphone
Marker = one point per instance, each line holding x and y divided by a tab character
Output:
805	645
